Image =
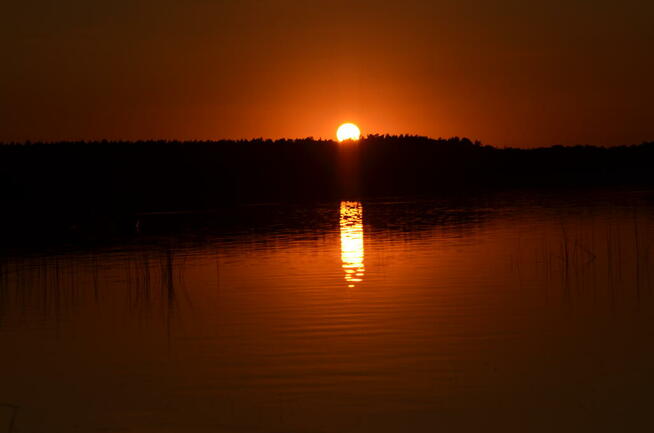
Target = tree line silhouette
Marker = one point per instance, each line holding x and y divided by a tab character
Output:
110	177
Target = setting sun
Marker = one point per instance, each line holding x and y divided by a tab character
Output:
348	131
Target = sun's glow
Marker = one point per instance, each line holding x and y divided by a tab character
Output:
348	131
352	242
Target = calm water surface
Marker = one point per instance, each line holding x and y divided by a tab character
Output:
517	313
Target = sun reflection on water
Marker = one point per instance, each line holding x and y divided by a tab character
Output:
351	222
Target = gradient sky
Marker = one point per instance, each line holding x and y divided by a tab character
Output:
519	73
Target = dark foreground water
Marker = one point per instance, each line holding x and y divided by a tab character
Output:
525	312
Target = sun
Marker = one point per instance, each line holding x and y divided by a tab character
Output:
348	131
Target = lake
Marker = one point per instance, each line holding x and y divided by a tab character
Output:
523	311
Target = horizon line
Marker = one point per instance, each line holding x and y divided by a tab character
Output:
476	142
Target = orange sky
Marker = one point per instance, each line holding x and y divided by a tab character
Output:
504	72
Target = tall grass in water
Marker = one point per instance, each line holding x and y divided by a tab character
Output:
13	413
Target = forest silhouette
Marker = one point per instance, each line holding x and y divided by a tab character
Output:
50	181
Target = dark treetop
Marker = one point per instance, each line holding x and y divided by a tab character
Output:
96	178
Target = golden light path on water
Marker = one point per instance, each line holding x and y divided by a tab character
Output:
351	222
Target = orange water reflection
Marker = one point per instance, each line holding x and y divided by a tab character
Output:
472	319
351	222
